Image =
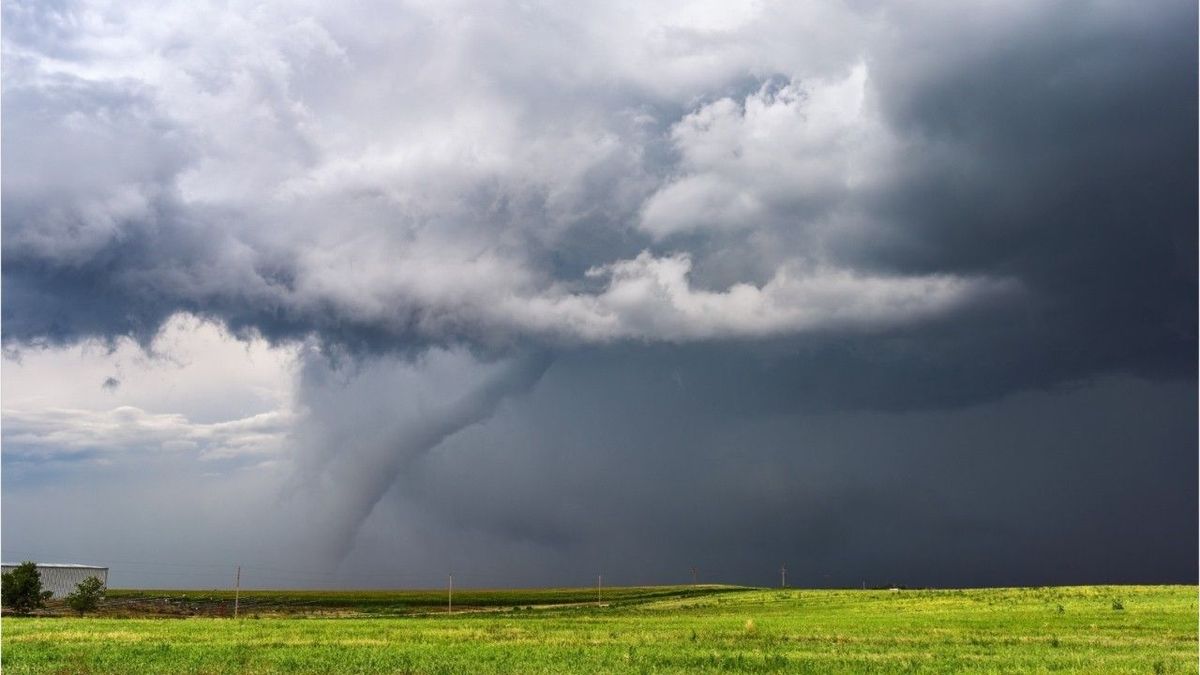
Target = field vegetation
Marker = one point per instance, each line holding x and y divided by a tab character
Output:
133	603
1093	629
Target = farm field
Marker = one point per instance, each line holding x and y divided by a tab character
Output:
154	603
1091	629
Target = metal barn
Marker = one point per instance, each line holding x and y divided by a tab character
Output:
62	579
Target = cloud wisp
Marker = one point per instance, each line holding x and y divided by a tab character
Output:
55	434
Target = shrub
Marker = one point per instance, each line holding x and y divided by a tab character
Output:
88	593
21	589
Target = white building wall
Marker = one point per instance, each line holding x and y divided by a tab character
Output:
62	579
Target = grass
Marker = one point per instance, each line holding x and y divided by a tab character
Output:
660	630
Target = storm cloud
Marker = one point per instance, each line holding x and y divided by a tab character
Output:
605	286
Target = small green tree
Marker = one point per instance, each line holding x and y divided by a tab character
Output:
21	589
87	594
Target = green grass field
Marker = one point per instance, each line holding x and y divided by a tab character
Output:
1095	629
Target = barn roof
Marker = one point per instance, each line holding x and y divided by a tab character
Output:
73	565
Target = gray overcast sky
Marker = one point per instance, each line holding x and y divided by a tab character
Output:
357	294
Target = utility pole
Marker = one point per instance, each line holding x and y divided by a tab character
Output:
783	575
450	596
237	590
599	581
694	576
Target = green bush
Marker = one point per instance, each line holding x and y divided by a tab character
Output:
21	589
88	593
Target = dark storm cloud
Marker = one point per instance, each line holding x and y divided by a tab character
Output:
614	465
1043	147
892	293
1067	157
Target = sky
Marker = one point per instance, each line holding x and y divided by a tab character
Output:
363	294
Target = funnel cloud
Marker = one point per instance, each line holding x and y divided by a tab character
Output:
351	451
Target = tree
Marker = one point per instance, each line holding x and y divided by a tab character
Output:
88	593
21	589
